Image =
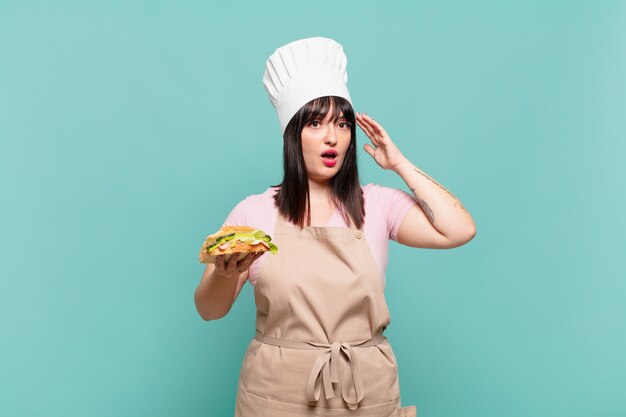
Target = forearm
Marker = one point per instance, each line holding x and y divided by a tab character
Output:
215	296
444	211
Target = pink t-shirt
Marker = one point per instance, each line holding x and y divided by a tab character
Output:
385	209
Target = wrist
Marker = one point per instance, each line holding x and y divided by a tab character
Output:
400	165
224	276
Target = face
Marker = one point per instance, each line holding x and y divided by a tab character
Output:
324	146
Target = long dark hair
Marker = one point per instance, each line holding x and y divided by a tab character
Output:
292	198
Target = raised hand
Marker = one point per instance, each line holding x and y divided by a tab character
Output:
384	151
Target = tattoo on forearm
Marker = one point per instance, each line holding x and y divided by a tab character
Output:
424	205
457	202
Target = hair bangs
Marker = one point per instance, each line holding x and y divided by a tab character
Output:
318	109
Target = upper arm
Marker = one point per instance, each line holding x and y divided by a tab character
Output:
405	221
408	224
417	231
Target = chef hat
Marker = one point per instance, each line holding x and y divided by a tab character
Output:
304	70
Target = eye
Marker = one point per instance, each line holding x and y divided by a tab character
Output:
314	123
344	125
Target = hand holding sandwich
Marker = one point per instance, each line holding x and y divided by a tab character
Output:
234	267
228	254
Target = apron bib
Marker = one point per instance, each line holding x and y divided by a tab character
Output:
319	348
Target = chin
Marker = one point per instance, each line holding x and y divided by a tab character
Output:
321	177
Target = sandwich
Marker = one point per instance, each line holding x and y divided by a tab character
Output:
239	240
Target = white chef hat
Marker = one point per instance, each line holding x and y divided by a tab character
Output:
304	70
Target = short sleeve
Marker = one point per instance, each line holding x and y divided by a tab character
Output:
238	215
393	204
401	203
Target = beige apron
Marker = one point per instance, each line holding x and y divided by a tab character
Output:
319	348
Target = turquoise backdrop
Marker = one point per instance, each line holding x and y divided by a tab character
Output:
129	129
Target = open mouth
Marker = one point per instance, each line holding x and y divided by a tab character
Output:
329	154
329	157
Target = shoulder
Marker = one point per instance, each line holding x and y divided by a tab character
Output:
255	209
386	205
262	201
381	194
265	197
251	208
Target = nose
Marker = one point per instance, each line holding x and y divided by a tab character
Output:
331	135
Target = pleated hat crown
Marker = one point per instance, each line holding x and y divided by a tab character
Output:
304	70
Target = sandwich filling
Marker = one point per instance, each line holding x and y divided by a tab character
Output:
253	237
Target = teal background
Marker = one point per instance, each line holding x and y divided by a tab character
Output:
119	125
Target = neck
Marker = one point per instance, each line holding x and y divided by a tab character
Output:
319	191
321	204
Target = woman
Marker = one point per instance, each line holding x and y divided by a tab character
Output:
321	311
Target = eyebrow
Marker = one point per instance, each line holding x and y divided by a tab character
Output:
329	114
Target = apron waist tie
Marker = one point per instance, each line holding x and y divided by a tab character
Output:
325	370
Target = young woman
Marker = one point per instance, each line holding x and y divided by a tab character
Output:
321	310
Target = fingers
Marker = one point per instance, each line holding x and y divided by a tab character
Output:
365	126
219	263
245	263
222	266
373	125
372	128
231	264
368	148
377	127
235	266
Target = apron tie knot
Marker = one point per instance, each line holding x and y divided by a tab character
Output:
325	373
325	370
